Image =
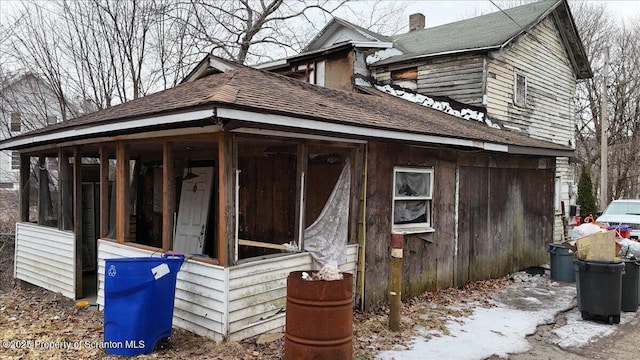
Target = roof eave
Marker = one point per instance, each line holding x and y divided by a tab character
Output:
103	129
393	60
337	47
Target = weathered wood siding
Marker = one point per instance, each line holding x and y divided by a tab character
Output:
501	221
45	257
505	220
258	292
551	83
339	70
460	77
226	303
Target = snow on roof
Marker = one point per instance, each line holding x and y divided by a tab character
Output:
444	106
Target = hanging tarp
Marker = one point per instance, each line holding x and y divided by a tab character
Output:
326	239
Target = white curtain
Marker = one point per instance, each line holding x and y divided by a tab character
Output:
326	238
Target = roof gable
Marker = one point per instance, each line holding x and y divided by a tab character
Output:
341	31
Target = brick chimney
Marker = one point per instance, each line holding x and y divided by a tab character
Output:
416	22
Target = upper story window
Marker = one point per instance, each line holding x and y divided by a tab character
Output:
315	71
412	199
15	160
16	121
52	119
519	88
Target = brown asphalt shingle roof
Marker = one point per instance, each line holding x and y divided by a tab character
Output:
264	92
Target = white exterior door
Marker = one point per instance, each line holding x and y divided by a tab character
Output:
193	211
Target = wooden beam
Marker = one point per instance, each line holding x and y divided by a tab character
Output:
65	189
25	188
104	192
122	192
168	195
226	198
261	244
41	189
301	168
77	217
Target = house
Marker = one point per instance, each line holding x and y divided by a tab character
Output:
518	67
236	165
26	103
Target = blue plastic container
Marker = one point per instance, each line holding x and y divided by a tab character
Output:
138	303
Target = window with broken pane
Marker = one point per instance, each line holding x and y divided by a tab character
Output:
520	88
412	198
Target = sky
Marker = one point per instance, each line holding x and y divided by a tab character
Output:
528	302
443	12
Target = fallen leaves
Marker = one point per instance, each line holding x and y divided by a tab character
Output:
37	320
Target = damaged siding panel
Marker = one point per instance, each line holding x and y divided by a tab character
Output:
258	290
45	257
458	78
200	304
339	72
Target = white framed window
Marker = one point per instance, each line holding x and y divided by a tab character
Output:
412	200
519	88
316	72
15	160
16	121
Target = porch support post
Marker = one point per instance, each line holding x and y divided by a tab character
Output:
395	285
301	168
226	198
65	212
122	189
168	195
77	217
25	186
41	189
104	192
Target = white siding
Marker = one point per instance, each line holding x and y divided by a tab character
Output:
45	257
550	86
234	303
258	292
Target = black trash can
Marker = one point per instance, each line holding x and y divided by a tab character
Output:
599	289
630	281
561	261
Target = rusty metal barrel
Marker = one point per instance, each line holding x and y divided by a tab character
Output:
319	319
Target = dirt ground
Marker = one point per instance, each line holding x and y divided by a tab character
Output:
38	324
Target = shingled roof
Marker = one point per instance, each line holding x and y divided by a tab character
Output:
492	32
261	92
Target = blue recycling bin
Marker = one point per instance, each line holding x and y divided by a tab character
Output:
138	303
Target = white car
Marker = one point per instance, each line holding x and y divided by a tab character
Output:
623	212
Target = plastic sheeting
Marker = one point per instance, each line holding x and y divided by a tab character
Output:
326	238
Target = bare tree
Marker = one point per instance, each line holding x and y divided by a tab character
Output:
246	30
600	33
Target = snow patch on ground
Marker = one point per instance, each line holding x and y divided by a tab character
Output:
525	304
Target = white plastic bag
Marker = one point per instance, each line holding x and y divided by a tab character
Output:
628	248
585	229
